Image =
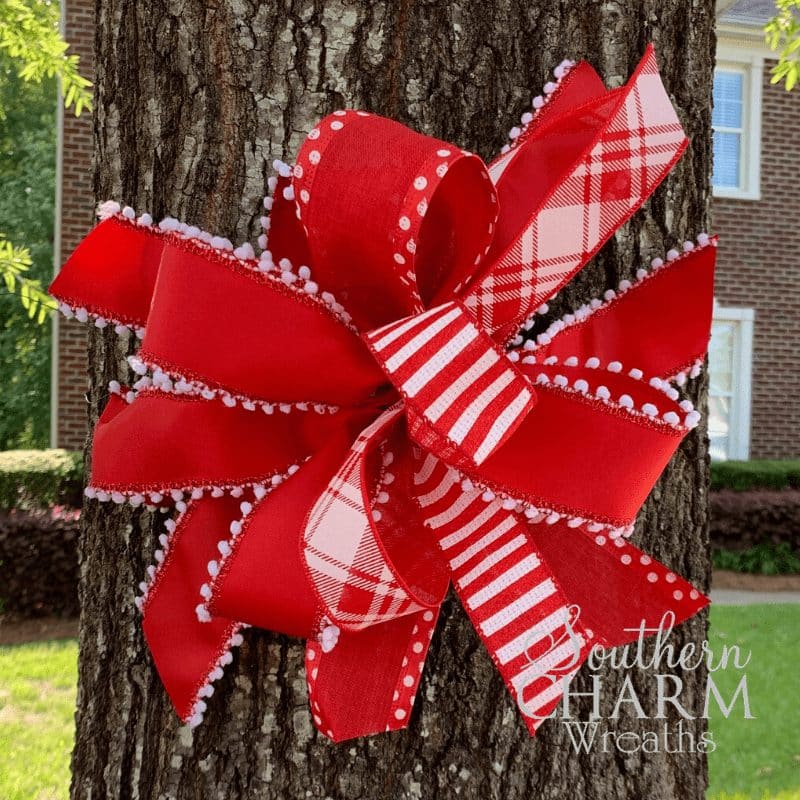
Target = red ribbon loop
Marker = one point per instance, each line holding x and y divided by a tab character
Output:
84	282
389	203
192	333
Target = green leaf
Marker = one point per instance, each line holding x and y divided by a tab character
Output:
29	35
782	35
14	262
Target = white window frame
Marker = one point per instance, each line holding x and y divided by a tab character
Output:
742	379
750	65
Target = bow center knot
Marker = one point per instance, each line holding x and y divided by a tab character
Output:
463	398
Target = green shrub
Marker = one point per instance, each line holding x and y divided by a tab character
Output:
763	559
40	478
743	475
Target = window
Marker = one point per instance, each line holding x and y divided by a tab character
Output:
730	357
736	121
728	128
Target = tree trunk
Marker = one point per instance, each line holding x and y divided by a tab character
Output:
193	102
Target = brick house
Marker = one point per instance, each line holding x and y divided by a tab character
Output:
755	352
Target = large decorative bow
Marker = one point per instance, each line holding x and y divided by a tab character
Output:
370	410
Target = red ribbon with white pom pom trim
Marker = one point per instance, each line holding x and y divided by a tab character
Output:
364	412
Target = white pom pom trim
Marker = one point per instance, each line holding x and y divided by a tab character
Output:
226	546
175	383
610	296
199	707
539	102
532	514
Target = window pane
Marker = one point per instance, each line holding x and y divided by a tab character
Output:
720	373
720	358
727	99
718	427
726	159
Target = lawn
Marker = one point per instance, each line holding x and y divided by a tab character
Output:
37	697
758	758
755	759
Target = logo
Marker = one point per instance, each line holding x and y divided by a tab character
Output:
655	688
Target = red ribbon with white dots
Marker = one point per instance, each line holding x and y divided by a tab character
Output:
370	409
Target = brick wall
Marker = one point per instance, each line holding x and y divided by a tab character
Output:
759	267
77	210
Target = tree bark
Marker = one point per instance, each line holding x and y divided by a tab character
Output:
193	102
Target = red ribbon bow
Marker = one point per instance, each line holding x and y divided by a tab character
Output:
342	440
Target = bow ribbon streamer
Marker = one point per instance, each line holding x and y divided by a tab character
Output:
369	411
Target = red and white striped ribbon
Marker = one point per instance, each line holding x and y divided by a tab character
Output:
464	396
532	632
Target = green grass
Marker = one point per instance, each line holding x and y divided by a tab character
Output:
755	759
37	699
758	758
791	794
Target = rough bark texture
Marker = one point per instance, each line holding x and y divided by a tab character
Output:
194	100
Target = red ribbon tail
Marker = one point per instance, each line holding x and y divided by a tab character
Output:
382	666
527	591
112	272
189	654
618	587
635	325
534	634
